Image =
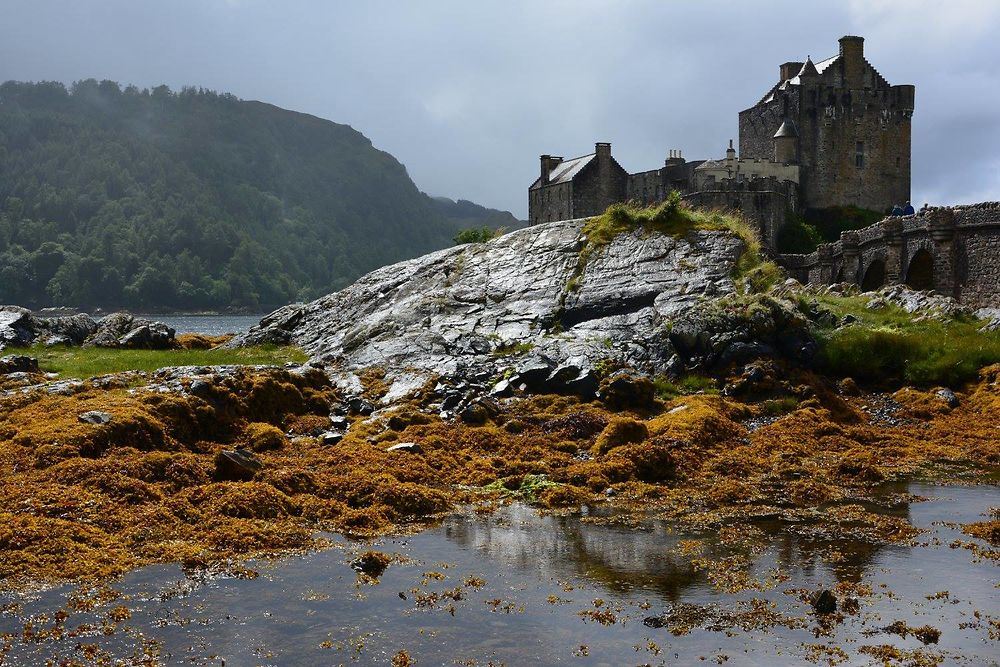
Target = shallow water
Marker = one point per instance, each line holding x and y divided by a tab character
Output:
540	572
208	325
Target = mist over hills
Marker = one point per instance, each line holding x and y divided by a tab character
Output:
154	199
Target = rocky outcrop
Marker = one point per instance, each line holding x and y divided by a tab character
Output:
127	331
529	307
20	328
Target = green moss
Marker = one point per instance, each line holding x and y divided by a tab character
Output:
523	487
85	362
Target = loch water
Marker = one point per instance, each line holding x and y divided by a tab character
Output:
531	589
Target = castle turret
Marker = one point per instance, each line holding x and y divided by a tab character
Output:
786	143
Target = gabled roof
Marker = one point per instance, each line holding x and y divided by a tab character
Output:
565	171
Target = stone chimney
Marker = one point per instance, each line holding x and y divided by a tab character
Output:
548	163
603	150
852	57
788	70
730	152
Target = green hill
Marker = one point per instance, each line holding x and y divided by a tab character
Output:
153	199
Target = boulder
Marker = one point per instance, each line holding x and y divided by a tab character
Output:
823	601
123	330
95	417
17	327
18	363
237	465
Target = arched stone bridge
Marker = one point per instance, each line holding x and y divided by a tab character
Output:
954	251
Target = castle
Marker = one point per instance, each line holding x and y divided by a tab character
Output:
829	133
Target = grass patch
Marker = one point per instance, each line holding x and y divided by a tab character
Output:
687	384
85	362
677	219
513	349
887	344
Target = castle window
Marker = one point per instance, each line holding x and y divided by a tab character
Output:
859	154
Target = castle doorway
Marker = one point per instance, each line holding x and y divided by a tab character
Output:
874	276
920	273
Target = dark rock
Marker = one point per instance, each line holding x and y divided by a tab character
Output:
533	374
948	396
18	363
452	400
474	414
411	447
654	622
502	388
200	388
339	423
360	406
95	417
238	465
625	390
330	438
585	385
823	601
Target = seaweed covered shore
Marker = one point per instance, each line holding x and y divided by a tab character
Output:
89	498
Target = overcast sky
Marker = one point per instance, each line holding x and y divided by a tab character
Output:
468	93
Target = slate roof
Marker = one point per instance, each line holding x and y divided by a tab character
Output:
567	169
787	129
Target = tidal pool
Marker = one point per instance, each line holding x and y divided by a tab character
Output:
518	588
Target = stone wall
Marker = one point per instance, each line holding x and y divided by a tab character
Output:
766	201
550	202
600	184
953	250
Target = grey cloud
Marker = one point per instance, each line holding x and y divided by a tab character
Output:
467	94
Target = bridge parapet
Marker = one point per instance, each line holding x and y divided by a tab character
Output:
953	250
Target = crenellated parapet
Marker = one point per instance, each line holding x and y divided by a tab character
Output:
952	250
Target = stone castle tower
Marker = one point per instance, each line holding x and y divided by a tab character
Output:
843	123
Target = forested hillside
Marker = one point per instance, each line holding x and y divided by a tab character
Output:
152	199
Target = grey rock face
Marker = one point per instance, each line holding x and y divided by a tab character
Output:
521	307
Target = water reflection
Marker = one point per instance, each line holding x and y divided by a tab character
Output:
540	573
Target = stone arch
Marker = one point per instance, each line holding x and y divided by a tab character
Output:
920	270
874	276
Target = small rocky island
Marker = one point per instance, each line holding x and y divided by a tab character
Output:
643	365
